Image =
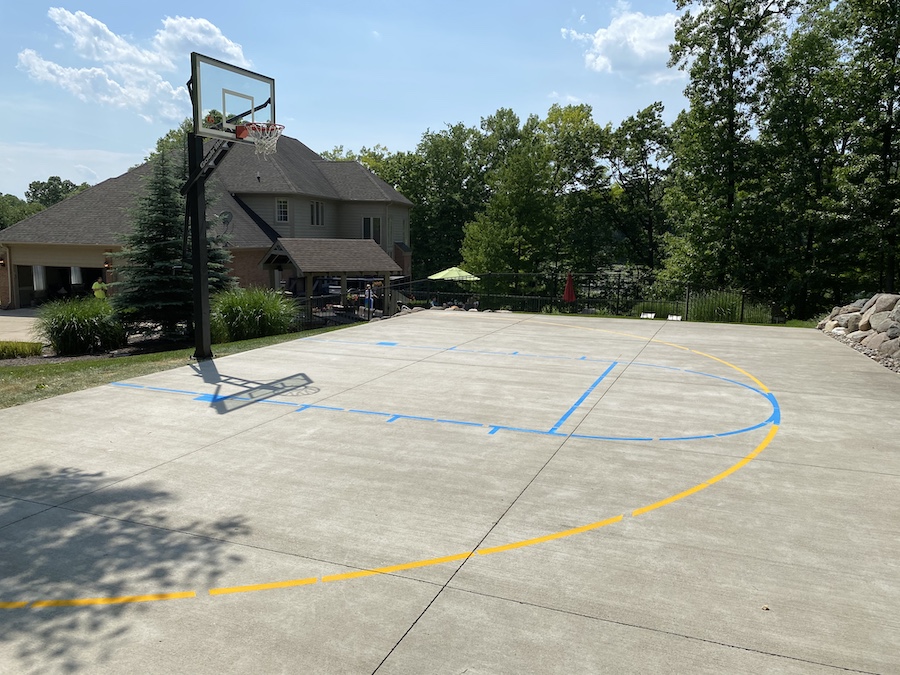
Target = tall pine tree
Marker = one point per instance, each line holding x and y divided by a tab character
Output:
155	282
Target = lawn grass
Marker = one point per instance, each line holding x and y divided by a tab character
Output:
24	384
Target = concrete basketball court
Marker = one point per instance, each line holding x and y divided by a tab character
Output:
453	492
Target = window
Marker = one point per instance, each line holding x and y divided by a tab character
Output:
316	213
281	211
371	229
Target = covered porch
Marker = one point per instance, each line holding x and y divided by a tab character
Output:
308	267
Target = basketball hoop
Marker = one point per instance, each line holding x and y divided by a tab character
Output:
264	135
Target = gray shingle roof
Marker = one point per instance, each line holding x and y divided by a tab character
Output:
333	256
96	216
100	215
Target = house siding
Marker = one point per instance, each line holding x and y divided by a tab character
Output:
58	256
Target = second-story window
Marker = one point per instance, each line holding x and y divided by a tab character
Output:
316	213
371	229
281	211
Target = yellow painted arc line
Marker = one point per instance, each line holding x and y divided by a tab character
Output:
263	587
715	479
550	537
396	568
458	556
731	365
80	602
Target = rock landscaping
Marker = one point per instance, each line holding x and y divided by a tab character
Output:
871	326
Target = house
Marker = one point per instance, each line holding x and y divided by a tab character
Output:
289	219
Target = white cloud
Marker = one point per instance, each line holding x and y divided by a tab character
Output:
181	36
568	99
633	44
124	75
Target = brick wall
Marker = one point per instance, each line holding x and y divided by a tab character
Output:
245	266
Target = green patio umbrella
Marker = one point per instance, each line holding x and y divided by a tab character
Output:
453	274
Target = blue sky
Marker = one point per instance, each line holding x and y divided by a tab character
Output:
87	89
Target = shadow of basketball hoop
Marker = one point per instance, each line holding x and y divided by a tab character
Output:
244	392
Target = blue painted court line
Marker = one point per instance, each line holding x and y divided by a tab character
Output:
394	418
687	438
724	379
520	430
170	391
587	393
774	418
166	390
464	424
591	437
776	409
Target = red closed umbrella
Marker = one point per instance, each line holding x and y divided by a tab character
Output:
569	293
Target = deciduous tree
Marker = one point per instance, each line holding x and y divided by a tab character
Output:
52	191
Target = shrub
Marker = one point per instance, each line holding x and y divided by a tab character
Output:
80	326
246	313
15	350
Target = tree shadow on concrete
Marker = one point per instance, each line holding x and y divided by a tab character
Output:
52	550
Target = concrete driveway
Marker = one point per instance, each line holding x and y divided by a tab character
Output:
16	325
464	493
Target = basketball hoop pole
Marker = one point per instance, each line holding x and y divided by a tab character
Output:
196	208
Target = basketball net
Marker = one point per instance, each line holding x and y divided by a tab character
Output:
263	135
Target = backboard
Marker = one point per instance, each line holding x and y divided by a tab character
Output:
225	96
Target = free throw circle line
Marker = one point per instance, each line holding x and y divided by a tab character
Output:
458	556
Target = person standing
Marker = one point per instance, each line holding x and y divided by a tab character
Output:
99	288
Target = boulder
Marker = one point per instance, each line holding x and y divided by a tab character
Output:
835	312
889	347
829	326
874	341
886	302
860	335
870	302
844	320
839	330
880	321
893	330
864	322
895	313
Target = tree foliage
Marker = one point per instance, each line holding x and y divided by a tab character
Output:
52	191
13	209
156	283
781	177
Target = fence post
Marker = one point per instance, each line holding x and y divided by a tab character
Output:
743	292
687	301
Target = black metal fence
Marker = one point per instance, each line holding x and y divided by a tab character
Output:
615	292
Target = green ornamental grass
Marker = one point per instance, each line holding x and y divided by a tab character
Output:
80	326
247	313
